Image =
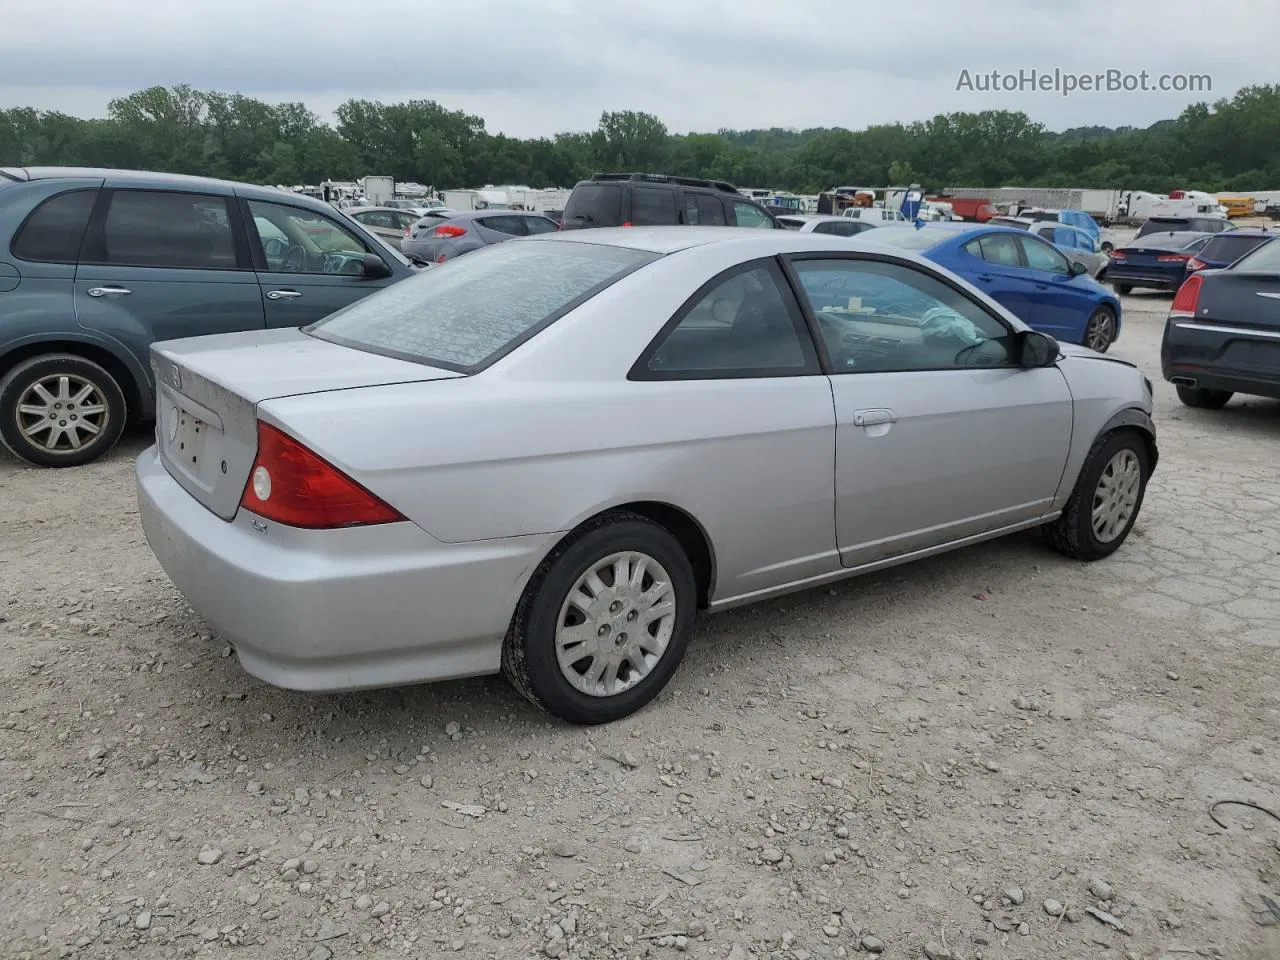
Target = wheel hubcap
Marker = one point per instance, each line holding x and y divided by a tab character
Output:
1116	495
61	413
1099	335
616	624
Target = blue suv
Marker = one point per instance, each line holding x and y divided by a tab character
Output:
95	265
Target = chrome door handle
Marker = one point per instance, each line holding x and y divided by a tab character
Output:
283	294
108	292
870	418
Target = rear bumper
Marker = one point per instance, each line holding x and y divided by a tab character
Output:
1221	357
338	609
1119	273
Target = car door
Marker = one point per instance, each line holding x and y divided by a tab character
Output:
941	435
1060	302
164	263
738	368
993	263
308	264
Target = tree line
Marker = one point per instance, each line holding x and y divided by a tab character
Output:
1233	144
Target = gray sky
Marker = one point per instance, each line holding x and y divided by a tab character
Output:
536	68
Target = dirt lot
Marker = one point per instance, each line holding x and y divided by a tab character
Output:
956	759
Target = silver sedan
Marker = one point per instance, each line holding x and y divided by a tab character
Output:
545	457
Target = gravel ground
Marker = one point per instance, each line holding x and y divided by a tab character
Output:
995	754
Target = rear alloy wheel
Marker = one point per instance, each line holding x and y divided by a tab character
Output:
1100	331
1121	288
60	410
604	622
1106	499
1203	399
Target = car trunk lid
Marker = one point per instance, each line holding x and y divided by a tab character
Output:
1245	308
208	390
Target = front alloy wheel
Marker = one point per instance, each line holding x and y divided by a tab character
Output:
1100	332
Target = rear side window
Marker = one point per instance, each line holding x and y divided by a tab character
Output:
1229	248
703	209
467	313
594	205
1001	248
514	226
156	229
653	206
53	232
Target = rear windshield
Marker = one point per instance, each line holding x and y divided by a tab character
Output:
1178	240
907	238
468	312
594	205
1263	259
1157	224
1229	249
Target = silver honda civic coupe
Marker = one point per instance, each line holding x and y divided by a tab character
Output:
543	458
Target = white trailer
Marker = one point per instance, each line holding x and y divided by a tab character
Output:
378	190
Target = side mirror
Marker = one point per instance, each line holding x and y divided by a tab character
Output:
375	268
1037	349
1078	268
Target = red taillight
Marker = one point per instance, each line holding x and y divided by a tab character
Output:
1187	299
1119	255
1195	263
406	231
1173	258
292	485
449	231
627	223
440	259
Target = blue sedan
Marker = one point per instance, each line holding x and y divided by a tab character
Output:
1028	275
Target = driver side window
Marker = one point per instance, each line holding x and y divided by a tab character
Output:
877	317
296	240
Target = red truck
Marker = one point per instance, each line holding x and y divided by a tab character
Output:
969	208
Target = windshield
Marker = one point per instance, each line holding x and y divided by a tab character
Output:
1264	259
468	312
907	238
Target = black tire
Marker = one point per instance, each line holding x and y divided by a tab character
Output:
1073	533
1203	399
1122	288
1102	324
17	383
528	653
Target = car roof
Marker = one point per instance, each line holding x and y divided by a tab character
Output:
811	217
1247	232
152	176
472	214
670	239
350	210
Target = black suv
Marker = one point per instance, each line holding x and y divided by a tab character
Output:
652	199
1193	222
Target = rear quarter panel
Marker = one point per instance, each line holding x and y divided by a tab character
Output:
542	443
